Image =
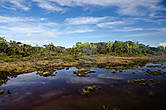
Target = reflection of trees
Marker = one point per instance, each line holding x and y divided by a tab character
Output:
4	77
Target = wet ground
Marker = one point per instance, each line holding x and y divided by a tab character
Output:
63	90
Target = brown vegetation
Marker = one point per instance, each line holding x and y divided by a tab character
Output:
104	61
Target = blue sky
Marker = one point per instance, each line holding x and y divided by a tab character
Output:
65	22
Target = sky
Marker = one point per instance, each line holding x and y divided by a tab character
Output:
65	22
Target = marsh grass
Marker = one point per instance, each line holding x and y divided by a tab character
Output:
26	65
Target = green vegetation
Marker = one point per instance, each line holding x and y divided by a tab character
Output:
17	58
117	48
144	82
89	89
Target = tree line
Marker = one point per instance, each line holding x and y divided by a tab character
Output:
117	48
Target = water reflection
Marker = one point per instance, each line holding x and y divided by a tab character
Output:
5	76
61	83
65	75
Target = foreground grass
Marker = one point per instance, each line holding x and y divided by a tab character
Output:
26	65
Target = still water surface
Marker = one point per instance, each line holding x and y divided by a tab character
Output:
63	91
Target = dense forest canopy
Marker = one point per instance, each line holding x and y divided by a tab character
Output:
117	48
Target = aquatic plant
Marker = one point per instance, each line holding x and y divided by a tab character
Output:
87	90
144	82
1	92
46	73
114	71
158	72
83	73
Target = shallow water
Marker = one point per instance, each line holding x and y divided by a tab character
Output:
63	91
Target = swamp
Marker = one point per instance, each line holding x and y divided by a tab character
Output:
97	86
89	76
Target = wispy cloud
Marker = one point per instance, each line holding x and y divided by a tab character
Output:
124	7
6	19
127	29
110	24
85	20
48	5
27	27
71	30
21	4
31	28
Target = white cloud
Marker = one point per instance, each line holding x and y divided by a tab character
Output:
124	7
127	29
22	4
50	34
27	27
6	19
48	5
163	29
83	30
162	44
34	42
145	34
85	20
110	24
